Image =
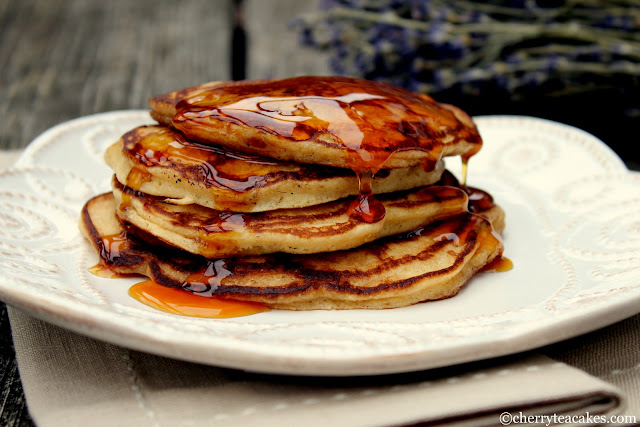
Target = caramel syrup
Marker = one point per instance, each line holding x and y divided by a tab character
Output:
366	206
195	300
225	221
499	264
206	281
138	177
177	301
212	166
465	164
479	200
112	245
370	120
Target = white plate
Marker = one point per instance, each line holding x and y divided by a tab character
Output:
573	233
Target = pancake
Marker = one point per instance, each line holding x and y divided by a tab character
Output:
336	121
160	161
320	228
428	263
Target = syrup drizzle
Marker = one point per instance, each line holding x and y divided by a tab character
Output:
370	120
138	177
225	221
479	200
198	301
499	264
465	164
207	281
366	206
177	301
154	146
112	245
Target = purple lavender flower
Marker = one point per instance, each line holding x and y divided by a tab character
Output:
510	45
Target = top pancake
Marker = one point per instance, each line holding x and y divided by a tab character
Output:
337	121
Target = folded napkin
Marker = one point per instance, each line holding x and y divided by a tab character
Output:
71	380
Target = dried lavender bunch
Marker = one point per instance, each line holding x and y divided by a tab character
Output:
515	48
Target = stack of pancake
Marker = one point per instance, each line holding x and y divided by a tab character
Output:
302	193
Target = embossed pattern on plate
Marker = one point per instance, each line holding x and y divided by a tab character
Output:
573	232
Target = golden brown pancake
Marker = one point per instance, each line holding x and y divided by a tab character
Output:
336	121
160	161
428	263
320	228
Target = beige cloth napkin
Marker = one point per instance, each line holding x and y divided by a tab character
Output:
71	380
8	158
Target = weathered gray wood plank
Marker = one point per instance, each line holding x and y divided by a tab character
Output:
274	49
61	59
13	407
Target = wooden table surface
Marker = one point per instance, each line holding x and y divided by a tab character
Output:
62	59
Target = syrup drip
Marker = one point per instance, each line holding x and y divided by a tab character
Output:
111	248
206	281
177	301
137	177
479	200
465	163
226	221
112	245
452	237
195	300
371	120
458	232
459	237
499	264
210	165
100	270
448	179
128	194
366	206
